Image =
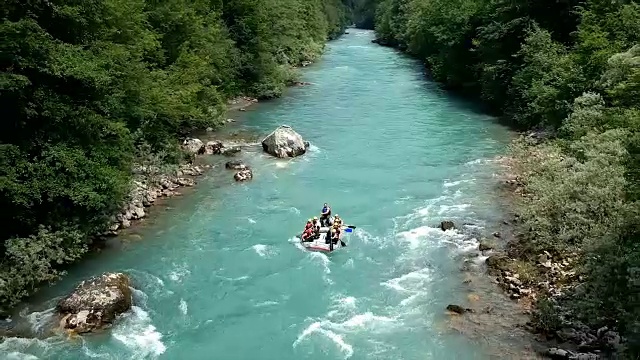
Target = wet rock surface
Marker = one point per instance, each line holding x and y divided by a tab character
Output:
284	142
95	303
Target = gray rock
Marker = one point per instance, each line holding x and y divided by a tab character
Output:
243	175
458	309
556	353
284	142
95	303
230	151
446	225
214	147
236	165
126	223
194	146
139	213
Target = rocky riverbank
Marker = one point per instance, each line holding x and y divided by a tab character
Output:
153	182
536	280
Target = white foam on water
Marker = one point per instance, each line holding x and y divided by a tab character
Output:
184	308
448	184
342	305
316	327
266	303
294	210
139	296
453	209
357	323
251	221
413	282
20	356
39	319
28	349
138	334
152	283
324	259
365	236
367	321
476	162
420	236
262	250
179	272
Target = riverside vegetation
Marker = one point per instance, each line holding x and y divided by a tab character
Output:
570	70
93	89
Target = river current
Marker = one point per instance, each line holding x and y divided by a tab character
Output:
218	275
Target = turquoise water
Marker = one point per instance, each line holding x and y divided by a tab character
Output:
218	275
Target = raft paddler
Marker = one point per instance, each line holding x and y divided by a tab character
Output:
335	233
308	230
337	220
325	214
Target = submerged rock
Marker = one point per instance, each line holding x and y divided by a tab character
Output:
230	151
446	225
236	165
243	175
284	142
458	309
95	303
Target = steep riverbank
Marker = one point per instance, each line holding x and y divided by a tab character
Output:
393	155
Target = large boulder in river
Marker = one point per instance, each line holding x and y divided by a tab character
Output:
95	303
284	142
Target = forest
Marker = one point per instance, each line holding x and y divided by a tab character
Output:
569	70
90	87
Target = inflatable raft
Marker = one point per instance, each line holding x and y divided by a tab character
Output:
320	243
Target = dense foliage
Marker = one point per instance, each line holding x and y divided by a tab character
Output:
572	67
85	83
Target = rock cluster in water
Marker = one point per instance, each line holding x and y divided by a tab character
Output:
243	170
95	303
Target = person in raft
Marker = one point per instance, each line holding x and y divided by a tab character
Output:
308	231
337	220
324	216
316	225
335	233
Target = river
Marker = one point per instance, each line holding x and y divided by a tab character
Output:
219	276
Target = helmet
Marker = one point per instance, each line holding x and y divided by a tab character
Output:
337	216
315	218
309	220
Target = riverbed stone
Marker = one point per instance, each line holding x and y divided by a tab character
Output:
446	225
95	303
284	142
214	147
230	151
243	175
236	165
458	309
194	146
